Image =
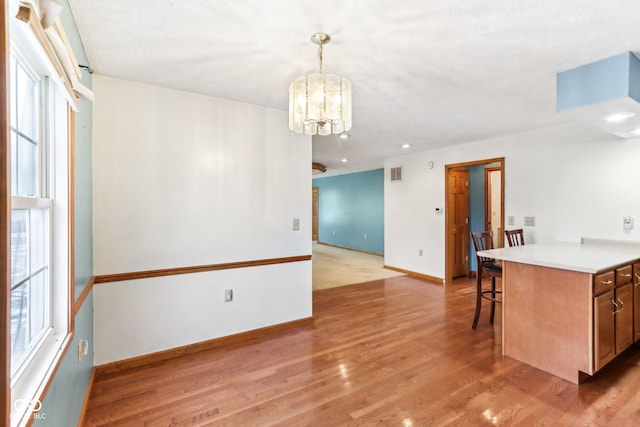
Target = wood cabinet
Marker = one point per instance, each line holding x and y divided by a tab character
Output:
604	329
569	309
613	311
603	319
636	302
624	317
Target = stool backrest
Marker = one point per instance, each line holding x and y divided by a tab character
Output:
482	241
515	237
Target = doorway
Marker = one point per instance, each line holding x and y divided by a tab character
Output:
314	214
492	198
460	218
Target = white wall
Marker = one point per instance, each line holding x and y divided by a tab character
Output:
148	315
575	182
184	180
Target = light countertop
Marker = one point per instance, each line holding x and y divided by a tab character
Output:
591	256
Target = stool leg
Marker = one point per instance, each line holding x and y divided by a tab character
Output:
478	299
493	295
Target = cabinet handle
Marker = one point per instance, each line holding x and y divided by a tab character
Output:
637	276
606	282
617	309
625	274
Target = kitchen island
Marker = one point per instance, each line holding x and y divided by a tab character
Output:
568	308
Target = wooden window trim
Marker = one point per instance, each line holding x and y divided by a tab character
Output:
5	299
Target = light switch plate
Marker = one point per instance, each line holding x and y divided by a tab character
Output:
530	221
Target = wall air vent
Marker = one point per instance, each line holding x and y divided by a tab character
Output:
396	174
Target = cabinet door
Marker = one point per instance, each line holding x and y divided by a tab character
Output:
624	317
604	329
636	302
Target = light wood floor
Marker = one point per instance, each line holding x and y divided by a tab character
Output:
396	352
333	266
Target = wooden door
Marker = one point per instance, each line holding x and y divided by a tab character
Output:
624	317
458	221
314	215
604	329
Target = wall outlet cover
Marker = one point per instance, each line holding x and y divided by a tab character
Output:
83	349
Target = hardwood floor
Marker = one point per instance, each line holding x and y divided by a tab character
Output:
398	352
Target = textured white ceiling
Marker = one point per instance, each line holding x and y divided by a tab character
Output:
428	73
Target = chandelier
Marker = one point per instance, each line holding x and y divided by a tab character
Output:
320	103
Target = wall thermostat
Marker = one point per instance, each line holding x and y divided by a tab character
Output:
430	165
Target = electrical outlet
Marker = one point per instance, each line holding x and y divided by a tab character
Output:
228	295
296	224
419	252
365	236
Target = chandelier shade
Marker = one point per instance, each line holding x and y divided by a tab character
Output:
320	104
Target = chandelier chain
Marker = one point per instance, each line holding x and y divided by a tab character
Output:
320	57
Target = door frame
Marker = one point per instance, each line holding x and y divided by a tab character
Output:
448	263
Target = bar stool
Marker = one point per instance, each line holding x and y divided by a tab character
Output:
515	237
489	267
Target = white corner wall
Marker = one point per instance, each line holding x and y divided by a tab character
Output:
575	181
184	180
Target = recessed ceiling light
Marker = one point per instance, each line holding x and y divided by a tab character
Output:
344	135
406	145
344	160
618	117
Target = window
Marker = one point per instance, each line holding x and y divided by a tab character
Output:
39	223
30	213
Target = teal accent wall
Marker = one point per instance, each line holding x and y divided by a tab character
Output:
351	206
83	193
62	405
476	208
63	402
